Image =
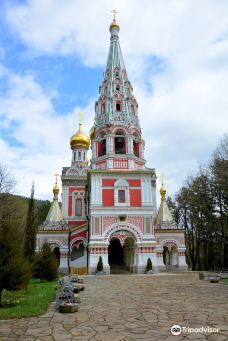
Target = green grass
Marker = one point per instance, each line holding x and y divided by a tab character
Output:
224	281
33	301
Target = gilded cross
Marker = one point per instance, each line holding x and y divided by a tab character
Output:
162	180
56	177
80	118
114	14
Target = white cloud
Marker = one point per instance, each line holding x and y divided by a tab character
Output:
41	136
182	118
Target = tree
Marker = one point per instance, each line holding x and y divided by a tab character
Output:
149	265
30	229
100	266
45	266
14	270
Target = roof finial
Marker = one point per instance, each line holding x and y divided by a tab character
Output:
114	23
56	188
163	190
114	14
80	119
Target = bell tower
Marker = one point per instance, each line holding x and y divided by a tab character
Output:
116	136
122	188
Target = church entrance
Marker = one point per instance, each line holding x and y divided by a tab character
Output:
115	256
121	258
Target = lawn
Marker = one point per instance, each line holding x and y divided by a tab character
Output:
224	281
32	302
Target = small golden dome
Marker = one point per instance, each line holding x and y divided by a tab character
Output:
114	25
80	139
91	133
56	190
163	190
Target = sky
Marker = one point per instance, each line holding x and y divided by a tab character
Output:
52	57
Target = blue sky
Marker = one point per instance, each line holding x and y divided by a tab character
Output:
52	57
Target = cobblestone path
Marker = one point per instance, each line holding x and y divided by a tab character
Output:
132	307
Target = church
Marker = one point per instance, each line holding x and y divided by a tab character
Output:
108	205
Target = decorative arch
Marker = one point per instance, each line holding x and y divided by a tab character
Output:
118	128
169	243
72	171
77	242
55	243
121	183
122	236
128	227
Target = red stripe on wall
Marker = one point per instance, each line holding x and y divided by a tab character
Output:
108	197
135	197
108	182
134	183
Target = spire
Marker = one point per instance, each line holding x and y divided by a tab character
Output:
116	104
164	217
55	213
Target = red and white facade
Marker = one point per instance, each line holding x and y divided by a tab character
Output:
110	205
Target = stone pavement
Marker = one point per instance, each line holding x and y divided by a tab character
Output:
132	307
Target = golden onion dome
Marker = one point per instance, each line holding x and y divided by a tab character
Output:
163	190
80	139
114	25
56	190
91	133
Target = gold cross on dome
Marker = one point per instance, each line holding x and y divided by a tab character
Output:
114	14
80	118
56	177
162	180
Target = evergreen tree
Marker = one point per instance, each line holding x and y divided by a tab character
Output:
30	229
100	265
45	266
149	265
15	271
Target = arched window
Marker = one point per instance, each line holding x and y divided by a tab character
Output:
103	108
120	145
79	155
117	106
102	147
56	252
132	108
78	207
136	148
77	252
117	87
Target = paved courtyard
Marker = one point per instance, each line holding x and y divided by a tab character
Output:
132	307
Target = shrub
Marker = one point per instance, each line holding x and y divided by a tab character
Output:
45	266
100	265
149	265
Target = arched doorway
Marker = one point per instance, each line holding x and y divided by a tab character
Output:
170	257
115	254
121	254
56	252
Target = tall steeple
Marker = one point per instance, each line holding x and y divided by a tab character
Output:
116	104
116	135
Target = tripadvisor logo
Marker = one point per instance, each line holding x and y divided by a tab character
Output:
176	329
